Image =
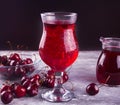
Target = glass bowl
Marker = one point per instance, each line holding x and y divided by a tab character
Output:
16	67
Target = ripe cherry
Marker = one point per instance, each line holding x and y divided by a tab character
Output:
15	56
92	89
65	77
36	76
6	97
23	62
29	60
32	90
20	91
35	81
13	87
19	71
5	88
48	82
50	73
24	78
26	83
13	62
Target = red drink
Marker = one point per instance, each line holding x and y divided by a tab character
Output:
58	47
108	67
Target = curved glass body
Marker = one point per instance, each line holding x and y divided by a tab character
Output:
108	65
58	47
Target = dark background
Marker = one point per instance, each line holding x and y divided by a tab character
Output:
20	21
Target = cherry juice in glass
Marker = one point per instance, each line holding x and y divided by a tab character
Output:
58	47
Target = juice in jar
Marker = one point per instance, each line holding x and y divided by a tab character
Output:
108	66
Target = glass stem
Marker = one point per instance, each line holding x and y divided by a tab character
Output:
58	79
58	89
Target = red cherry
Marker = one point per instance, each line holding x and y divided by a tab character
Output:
65	77
36	76
50	72
51	82
20	91
5	88
14	56
35	81
13	62
32	90
24	78
92	89
26	83
23	62
48	82
19	71
6	97
29	60
13	86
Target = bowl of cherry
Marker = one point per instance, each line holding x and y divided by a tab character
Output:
16	65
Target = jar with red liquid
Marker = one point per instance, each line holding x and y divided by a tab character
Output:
108	65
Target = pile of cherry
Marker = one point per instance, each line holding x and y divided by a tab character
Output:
15	65
28	86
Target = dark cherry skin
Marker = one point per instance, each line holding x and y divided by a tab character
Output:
65	77
29	60
27	86
15	61
15	56
5	88
48	82
36	76
23	62
92	89
24	78
49	79
19	72
6	97
20	91
32	90
35	80
26	83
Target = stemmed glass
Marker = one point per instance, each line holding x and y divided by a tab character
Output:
58	48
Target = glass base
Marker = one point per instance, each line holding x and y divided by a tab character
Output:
57	95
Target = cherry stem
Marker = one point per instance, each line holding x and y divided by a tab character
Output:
10	45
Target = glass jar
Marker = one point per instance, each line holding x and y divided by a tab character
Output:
108	65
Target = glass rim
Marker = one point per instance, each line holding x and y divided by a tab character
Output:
58	13
109	39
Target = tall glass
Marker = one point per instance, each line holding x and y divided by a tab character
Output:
58	48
